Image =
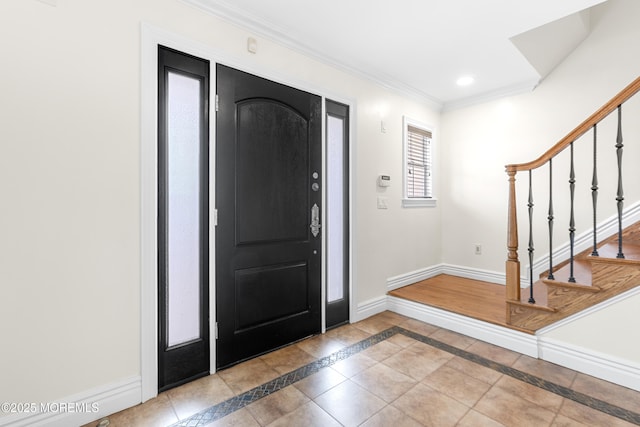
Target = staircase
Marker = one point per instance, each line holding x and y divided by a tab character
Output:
597	278
610	267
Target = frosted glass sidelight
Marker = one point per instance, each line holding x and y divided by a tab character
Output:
335	208
184	208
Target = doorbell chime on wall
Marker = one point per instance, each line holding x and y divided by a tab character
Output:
384	180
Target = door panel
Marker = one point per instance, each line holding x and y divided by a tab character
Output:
271	202
183	241
268	263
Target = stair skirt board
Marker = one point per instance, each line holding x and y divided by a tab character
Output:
81	408
603	366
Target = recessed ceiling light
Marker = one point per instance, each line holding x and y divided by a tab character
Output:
465	81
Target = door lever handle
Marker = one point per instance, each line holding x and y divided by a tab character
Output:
315	220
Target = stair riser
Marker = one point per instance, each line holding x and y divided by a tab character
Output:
612	278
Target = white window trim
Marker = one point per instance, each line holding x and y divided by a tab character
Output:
430	202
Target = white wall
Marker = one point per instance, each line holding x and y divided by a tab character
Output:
478	141
69	179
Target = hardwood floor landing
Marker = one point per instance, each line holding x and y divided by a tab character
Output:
480	300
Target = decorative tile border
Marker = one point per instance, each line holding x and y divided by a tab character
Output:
238	402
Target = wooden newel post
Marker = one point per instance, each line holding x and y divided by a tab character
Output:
512	264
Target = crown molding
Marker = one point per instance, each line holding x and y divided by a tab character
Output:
259	26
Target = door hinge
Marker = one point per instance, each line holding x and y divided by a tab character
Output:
216	330
217	103
215	217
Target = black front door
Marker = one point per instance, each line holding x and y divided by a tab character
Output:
268	197
183	212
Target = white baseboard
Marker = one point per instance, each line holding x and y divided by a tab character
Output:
93	405
603	366
454	270
413	277
475	273
370	308
484	331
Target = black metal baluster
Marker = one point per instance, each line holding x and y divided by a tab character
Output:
594	190
530	205
550	220
619	197
572	223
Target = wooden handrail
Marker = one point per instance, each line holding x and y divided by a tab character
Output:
513	263
595	118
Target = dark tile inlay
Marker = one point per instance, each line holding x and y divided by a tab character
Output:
238	402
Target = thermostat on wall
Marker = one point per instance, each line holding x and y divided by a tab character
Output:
384	180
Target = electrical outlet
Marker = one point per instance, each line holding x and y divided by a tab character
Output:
478	249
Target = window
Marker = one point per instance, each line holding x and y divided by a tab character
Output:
418	164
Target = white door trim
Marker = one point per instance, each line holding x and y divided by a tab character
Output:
151	37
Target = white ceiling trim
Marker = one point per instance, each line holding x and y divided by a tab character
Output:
516	89
247	19
260	27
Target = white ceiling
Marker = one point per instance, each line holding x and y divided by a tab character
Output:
421	47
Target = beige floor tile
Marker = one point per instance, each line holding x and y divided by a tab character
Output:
320	346
476	419
308	415
457	384
429	407
415	365
392	317
386	383
546	370
512	410
382	350
276	405
400	340
247	375
374	324
323	380
152	413
538	396
453	338
240	418
474	370
348	334
198	395
430	351
391	417
349	403
287	359
562	421
354	365
589	416
399	382
494	353
419	327
609	392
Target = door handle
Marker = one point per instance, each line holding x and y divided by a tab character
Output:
315	220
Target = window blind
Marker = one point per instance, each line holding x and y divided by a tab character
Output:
418	162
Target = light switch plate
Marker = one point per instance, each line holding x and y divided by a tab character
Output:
382	202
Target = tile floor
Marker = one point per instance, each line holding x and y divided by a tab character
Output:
390	370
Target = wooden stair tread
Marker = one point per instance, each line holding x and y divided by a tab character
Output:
610	251
581	272
539	294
